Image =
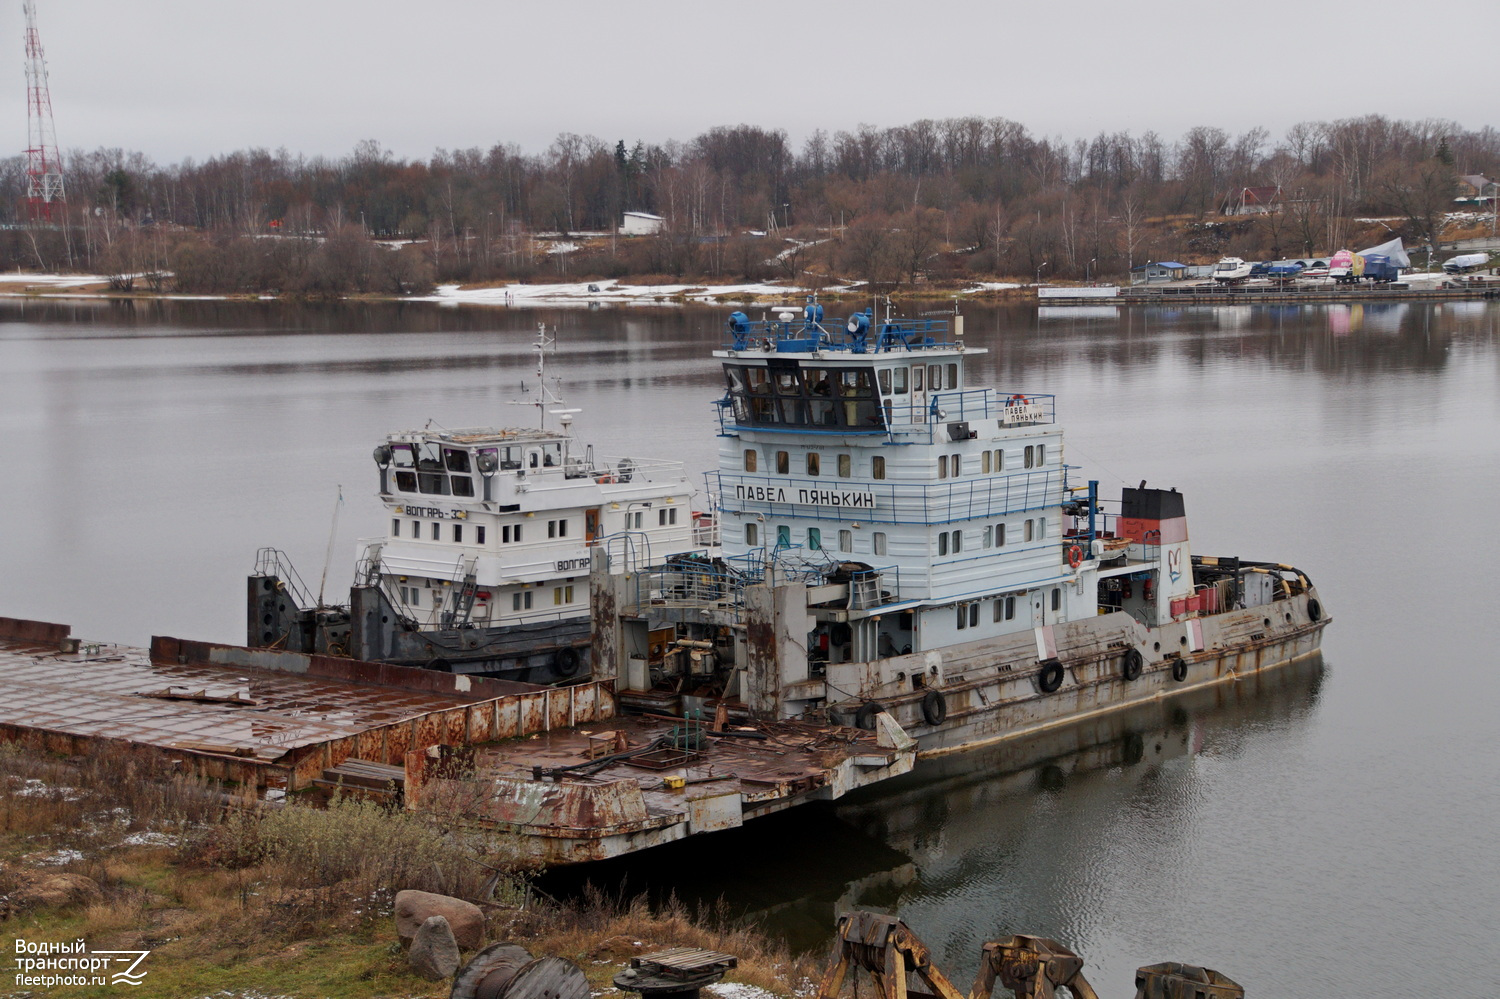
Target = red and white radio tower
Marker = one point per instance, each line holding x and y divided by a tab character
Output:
44	179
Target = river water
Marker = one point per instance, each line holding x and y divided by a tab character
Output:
1329	830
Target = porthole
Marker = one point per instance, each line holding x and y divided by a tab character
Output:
1182	640
1157	646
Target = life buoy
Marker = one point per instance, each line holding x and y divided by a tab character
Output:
1131	667
1075	556
865	717
566	662
934	707
606	478
1314	610
1179	670
1050	676
1017	400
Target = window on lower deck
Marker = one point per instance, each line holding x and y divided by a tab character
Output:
815	539
458	534
752	535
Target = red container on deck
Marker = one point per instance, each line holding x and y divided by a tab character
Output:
1178	606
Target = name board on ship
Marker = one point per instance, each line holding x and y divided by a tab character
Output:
841	498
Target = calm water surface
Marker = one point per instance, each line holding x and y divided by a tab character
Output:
1329	830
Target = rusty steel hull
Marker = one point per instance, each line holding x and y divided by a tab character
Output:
619	808
1000	696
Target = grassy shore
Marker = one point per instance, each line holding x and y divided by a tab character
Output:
293	901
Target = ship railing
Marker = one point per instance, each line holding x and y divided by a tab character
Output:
706	525
967	498
627	469
871	588
691	581
274	562
626	551
803	335
940	411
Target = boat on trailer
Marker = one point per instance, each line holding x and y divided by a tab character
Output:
1232	270
483	567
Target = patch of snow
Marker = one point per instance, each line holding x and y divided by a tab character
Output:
53	280
150	839
578	293
59	858
738	990
556	248
991	286
33	788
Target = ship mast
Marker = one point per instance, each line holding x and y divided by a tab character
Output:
545	396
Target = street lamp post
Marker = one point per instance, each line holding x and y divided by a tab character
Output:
1039	272
1087	267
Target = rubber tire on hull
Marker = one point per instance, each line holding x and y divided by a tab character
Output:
934	707
566	662
1131	667
1314	611
1179	670
1050	677
865	717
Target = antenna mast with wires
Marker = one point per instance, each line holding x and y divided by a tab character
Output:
44	179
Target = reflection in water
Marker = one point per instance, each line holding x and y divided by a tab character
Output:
957	846
1292	837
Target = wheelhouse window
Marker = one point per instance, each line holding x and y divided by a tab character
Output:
789	395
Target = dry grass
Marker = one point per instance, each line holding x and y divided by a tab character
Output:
297	895
600	933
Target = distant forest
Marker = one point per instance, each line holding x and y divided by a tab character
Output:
928	202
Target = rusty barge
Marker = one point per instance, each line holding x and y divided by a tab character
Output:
907	567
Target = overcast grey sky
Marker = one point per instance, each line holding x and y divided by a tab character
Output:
175	79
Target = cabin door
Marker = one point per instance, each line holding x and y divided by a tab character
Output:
1038	608
590	525
918	394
